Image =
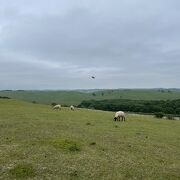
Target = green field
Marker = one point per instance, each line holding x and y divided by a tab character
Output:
76	97
39	143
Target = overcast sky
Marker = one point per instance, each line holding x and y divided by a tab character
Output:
60	44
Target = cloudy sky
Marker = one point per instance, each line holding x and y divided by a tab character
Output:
60	44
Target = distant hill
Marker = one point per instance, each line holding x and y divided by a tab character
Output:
75	97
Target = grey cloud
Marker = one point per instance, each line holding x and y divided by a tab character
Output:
128	41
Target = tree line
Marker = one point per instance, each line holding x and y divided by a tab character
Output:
140	106
4	97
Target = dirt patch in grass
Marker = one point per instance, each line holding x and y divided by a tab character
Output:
22	171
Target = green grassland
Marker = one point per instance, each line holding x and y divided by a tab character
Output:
76	97
39	143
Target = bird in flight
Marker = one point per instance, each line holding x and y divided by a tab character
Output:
93	77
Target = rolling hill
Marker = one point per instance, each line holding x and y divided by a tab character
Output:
39	143
76	97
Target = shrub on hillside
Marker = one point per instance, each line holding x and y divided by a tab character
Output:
178	110
4	97
169	110
53	104
170	117
159	115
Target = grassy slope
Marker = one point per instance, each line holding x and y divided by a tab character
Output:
141	148
74	97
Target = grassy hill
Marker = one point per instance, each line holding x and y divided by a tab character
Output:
39	143
76	97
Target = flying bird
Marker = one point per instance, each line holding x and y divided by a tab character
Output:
93	77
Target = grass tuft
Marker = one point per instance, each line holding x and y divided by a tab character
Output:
22	171
74	173
66	144
92	143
